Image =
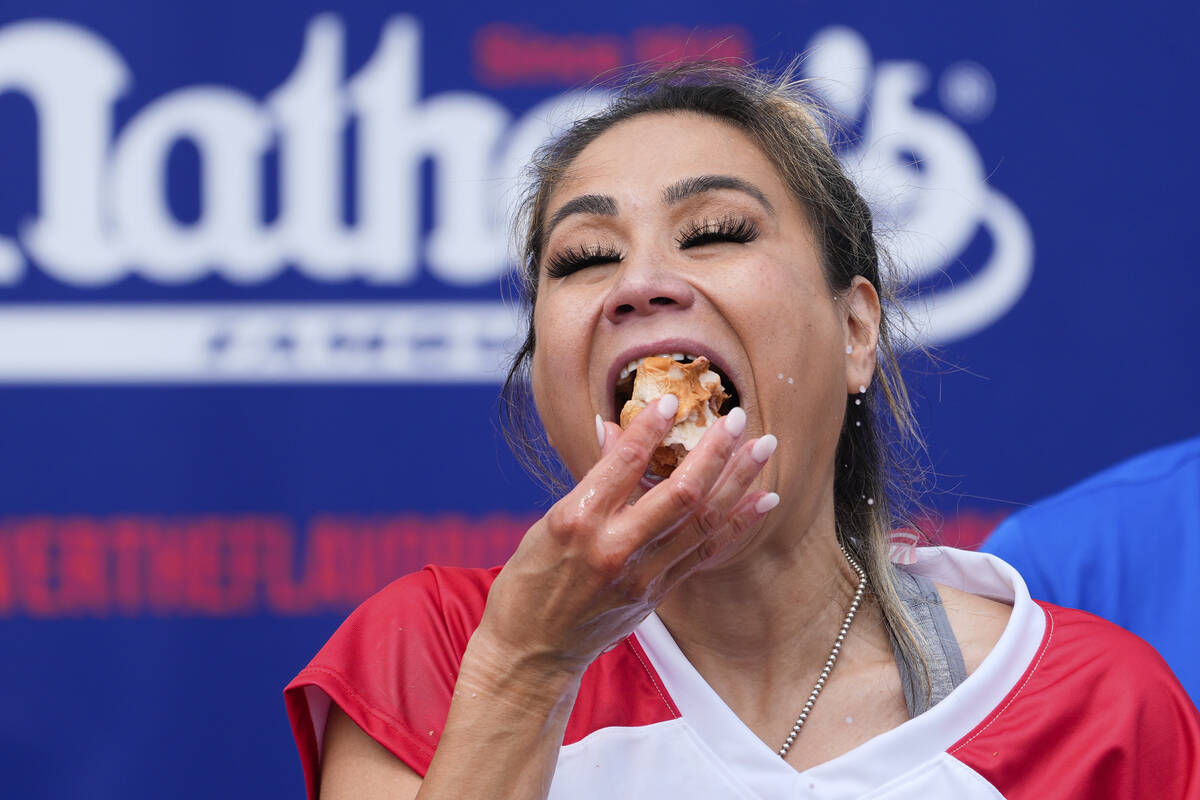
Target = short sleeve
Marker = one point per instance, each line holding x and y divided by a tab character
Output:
391	666
1098	715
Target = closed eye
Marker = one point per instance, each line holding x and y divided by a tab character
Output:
573	259
739	230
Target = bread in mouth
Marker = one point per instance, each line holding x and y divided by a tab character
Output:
700	394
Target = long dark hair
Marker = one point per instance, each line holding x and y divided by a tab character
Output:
871	486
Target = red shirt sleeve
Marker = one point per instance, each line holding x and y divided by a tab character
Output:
391	666
1098	715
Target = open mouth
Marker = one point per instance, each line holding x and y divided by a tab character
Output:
623	390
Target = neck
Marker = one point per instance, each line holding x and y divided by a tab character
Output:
761	626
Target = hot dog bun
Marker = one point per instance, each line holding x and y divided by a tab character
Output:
700	396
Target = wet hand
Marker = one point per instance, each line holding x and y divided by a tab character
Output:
597	564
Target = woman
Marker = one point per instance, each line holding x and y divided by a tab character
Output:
737	629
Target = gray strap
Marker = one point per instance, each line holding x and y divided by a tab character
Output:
940	647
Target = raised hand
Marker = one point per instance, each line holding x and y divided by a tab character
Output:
597	564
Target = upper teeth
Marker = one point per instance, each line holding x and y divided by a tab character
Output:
632	366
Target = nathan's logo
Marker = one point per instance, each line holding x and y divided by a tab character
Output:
104	211
104	215
926	182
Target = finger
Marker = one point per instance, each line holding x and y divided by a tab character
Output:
612	432
627	453
675	500
714	513
710	550
734	482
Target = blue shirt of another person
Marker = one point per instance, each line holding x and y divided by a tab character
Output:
1125	545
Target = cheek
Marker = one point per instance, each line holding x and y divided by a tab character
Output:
563	411
799	335
558	375
557	356
795	307
542	376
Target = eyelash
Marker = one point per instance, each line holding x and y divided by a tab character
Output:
573	259
738	230
711	231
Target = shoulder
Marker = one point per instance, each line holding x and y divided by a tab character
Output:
1085	661
457	595
445	586
440	605
977	622
435	608
1092	667
1098	710
1100	545
1132	490
1168	467
1082	648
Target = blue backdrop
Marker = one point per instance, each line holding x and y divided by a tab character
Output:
251	326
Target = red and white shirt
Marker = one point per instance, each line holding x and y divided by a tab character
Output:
1065	706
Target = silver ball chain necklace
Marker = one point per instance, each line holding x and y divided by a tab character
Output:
837	646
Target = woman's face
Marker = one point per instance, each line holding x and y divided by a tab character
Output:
673	233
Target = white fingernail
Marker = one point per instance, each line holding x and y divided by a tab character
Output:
766	502
763	448
735	422
668	404
600	431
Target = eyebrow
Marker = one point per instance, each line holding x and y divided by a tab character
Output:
600	204
689	187
676	193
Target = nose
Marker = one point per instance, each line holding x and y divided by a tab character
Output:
645	289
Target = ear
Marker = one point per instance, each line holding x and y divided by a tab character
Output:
861	324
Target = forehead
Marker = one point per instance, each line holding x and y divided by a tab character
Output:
653	150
